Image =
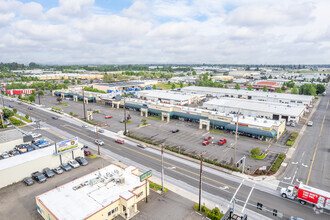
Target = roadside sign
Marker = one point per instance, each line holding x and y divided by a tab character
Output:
146	175
67	145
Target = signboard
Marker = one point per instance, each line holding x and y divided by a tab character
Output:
67	145
146	175
89	113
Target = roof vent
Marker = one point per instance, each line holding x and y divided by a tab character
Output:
265	121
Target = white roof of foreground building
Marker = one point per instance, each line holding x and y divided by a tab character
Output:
257	106
218	91
87	195
165	94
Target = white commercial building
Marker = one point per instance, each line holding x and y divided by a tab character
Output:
170	97
259	109
251	95
103	194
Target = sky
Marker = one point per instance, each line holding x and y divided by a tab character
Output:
165	31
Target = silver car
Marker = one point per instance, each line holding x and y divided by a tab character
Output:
58	170
310	123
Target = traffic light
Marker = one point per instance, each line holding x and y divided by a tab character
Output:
274	212
259	206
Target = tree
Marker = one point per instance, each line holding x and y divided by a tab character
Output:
168	83
59	100
66	81
154	87
144	121
7	113
194	73
181	84
189	84
255	151
270	77
27	116
237	86
32	98
173	86
265	89
226	87
249	87
294	90
15	110
279	90
40	93
91	81
320	89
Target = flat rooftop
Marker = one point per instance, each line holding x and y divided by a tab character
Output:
166	94
87	195
212	90
120	84
10	135
257	106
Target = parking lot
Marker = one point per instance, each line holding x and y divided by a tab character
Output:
188	139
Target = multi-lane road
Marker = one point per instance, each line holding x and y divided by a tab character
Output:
218	186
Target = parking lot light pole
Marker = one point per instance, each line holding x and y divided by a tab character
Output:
200	182
125	131
162	152
97	136
237	115
83	93
3	103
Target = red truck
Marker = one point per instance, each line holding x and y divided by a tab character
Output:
307	194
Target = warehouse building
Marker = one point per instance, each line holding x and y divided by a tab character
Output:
259	109
104	194
125	86
15	169
251	95
170	97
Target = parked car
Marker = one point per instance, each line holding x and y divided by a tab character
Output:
108	116
73	164
84	126
11	106
310	123
100	142
87	152
101	131
288	123
36	135
293	124
4	155
65	167
175	130
54	117
222	141
207	138
30	108
206	143
120	141
142	145
48	172
82	161
58	170
11	100
39	177
28	181
12	153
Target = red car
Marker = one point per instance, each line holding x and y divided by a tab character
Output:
120	141
222	141
107	117
87	152
206	143
207	138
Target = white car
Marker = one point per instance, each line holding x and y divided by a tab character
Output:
84	126
36	135
99	141
74	163
310	123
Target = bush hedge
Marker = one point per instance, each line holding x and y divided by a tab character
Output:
292	139
15	121
213	214
156	186
258	157
276	165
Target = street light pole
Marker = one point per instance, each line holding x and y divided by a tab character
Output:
200	183
125	131
3	102
235	140
83	93
162	151
97	136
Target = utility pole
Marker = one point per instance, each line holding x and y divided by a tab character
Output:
83	93
162	151
39	97
1	113
200	182
3	102
125	131
97	136
235	139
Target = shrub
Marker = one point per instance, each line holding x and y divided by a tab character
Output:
255	151
15	121
214	214
276	165
27	116
71	113
258	157
15	110
289	143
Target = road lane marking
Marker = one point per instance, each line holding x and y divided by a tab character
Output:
205	134
151	157
248	197
294	175
322	126
236	191
310	169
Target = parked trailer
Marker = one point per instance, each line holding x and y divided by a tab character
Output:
307	194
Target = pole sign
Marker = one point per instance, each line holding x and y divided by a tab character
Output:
67	145
146	175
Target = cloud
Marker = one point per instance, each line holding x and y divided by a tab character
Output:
32	10
5	18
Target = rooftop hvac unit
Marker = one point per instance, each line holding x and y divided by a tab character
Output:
265	121
120	180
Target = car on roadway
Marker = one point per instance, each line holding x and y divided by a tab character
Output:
11	106
107	117
175	130
84	126
101	131
48	172
55	117
73	163
11	100
142	145
295	218
222	141
120	141
87	152
30	108
82	161
100	142
310	123
207	138
58	170
36	135
66	167
28	181
206	143
39	177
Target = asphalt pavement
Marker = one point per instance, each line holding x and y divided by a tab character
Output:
218	186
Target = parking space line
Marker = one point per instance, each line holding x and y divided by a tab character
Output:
205	134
